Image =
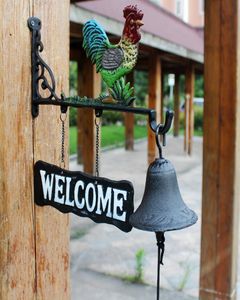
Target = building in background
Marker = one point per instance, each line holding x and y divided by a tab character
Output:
190	11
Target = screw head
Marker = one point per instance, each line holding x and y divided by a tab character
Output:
32	23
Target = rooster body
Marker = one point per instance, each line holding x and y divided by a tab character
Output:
115	61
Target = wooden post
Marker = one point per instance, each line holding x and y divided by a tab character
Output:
154	101
190	115
129	121
221	155
34	241
80	112
162	97
186	122
90	86
176	106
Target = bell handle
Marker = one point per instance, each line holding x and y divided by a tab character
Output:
162	129
157	137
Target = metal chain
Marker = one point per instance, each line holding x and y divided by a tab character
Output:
63	119
97	123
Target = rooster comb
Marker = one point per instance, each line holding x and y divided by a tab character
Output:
132	9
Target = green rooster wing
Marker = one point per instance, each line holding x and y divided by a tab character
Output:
109	60
98	48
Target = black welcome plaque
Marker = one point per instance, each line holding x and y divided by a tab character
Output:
100	199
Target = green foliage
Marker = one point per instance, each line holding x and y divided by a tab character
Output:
198	118
186	275
73	80
140	87
169	104
181	120
72	116
199	86
138	277
112	117
140	254
111	135
77	234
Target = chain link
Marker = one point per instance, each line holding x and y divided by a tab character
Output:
63	119
97	123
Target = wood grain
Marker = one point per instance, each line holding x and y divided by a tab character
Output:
51	226
221	152
17	249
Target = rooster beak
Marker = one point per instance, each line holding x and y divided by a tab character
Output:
139	23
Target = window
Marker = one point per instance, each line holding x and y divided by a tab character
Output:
201	6
179	8
156	2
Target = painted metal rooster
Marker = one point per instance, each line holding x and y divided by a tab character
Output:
115	61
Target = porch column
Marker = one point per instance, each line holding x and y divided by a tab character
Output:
129	121
221	152
189	109
90	86
154	101
176	106
34	241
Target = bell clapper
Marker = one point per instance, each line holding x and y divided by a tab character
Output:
161	247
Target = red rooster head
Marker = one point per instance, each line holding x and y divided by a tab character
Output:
133	23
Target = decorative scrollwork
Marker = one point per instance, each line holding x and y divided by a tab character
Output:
42	76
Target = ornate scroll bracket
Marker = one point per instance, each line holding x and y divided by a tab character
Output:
40	80
44	89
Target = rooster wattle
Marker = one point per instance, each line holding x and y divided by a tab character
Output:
115	61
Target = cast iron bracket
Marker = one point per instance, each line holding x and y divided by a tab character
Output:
44	89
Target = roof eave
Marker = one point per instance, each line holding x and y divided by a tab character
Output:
80	15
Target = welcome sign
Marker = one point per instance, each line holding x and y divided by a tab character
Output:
100	199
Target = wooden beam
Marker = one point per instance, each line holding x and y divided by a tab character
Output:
76	30
221	155
90	86
34	241
189	85
129	121
154	101
75	54
176	106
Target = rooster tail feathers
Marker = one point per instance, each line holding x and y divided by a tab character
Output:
95	42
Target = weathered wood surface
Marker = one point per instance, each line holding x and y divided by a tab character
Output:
221	158
90	86
52	228
17	241
129	121
34	255
176	106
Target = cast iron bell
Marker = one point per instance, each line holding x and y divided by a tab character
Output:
162	208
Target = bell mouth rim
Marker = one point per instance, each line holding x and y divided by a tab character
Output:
177	226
